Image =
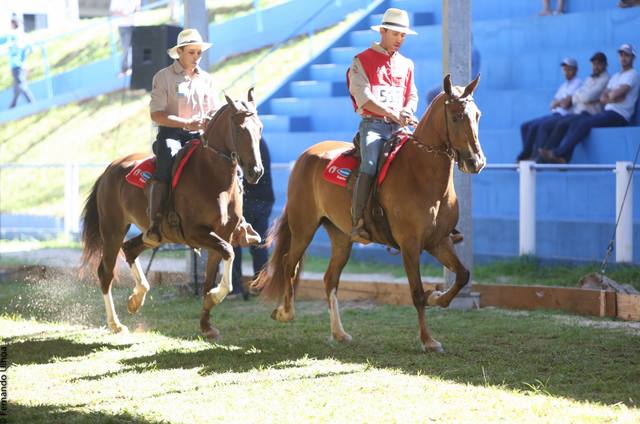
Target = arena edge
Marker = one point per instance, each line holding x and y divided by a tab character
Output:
3	384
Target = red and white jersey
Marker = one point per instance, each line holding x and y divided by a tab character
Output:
386	78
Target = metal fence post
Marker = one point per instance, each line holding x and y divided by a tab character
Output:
71	199
527	208
624	230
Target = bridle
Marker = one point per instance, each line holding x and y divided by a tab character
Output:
233	156
447	148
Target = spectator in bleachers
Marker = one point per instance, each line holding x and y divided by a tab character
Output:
384	94
585	101
124	12
629	3
257	203
560	106
18	51
546	8
619	100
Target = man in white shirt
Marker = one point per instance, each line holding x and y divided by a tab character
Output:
560	106
585	101
619	99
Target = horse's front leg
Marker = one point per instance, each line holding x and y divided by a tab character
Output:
213	260
411	259
446	254
132	249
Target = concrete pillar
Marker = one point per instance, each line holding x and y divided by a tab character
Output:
456	60
195	16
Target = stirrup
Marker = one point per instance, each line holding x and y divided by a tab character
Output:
152	237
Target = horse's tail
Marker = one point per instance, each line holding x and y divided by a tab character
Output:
271	281
91	238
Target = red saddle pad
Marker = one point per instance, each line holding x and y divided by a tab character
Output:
144	168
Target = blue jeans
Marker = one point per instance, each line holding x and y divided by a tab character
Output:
20	86
374	133
529	132
560	130
580	129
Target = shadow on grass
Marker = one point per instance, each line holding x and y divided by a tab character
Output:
27	352
66	415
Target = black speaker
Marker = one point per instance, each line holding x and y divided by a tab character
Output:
149	46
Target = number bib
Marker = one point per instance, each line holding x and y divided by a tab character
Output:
390	96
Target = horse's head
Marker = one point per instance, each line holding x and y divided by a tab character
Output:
240	130
461	117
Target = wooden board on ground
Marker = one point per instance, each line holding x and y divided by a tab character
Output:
575	300
628	306
381	292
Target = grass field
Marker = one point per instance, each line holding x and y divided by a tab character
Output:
499	366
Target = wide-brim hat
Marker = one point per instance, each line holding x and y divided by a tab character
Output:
395	20
187	37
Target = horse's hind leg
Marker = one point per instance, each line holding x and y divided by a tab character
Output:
340	251
301	236
112	241
132	249
445	253
411	260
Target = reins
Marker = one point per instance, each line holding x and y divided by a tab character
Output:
233	156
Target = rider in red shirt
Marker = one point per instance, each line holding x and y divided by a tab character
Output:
384	94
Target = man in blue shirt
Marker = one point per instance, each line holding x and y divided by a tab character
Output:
18	51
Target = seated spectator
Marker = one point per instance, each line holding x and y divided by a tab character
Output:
546	8
619	100
629	3
560	106
585	101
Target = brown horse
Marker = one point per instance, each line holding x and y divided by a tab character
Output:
207	205
418	199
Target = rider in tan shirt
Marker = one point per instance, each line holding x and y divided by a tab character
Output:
182	96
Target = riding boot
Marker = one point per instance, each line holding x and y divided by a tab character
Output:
360	196
158	191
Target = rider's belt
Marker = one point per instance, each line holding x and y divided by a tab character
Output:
376	119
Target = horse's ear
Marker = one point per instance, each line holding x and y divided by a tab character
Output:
231	104
446	84
469	89
250	95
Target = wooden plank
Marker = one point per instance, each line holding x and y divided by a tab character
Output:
381	292
575	300
628	306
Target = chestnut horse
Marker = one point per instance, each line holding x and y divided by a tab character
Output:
207	202
418	199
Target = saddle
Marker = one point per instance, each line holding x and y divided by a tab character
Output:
343	170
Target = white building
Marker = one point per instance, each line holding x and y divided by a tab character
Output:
39	14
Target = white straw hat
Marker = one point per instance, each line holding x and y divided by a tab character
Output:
395	20
187	37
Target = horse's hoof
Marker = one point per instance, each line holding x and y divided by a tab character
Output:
432	300
281	316
342	338
433	346
212	334
134	305
119	329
